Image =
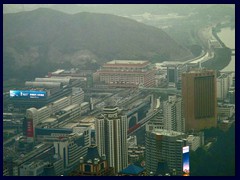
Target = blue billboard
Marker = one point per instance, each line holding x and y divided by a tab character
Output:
186	169
27	94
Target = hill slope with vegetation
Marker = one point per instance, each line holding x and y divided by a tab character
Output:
37	41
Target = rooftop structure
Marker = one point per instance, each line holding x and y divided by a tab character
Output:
132	170
127	63
164	132
94	165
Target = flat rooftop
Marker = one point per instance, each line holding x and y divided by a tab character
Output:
127	62
58	71
197	70
49	120
68	108
70	125
167	132
88	119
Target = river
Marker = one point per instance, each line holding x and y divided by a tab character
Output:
227	36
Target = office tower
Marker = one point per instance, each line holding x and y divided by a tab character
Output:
164	146
199	99
111	137
173	114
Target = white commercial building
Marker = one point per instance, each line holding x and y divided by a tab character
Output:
58	110
72	146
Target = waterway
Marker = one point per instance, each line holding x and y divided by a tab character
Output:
227	36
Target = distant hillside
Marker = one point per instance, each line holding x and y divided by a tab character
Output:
41	40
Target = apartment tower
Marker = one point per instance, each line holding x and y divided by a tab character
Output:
111	137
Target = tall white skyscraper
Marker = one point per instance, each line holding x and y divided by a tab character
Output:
111	137
173	114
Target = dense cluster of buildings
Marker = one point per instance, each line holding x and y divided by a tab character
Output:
57	141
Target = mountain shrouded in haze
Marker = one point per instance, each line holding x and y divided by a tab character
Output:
36	41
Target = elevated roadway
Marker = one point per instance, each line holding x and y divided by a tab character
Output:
142	122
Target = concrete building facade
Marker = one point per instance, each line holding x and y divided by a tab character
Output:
173	114
126	73
199	95
163	146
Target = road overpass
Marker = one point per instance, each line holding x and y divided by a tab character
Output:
161	90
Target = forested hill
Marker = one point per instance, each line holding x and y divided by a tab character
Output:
38	40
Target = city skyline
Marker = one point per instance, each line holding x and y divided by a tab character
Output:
118	90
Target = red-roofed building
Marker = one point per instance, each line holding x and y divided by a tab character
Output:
126	73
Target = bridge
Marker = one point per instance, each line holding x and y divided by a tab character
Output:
161	90
134	115
142	123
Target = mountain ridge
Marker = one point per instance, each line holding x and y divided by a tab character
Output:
50	36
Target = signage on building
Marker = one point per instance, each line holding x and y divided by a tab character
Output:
27	94
30	128
186	162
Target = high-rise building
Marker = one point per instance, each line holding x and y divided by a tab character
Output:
173	114
174	72
172	75
222	87
199	95
224	82
111	137
164	146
